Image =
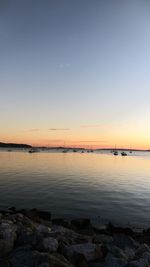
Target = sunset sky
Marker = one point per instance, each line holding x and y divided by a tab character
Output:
75	72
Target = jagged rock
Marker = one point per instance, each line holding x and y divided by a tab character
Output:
146	255
8	237
27	237
36	215
101	238
25	257
60	232
142	248
50	244
4	263
116	252
111	261
122	241
139	263
81	223
130	253
113	229
62	222
89	250
43	229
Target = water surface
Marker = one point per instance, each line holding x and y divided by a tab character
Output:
75	184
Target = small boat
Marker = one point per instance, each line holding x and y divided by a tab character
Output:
82	151
33	151
74	150
123	153
65	151
116	153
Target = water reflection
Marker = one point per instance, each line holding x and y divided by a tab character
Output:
78	184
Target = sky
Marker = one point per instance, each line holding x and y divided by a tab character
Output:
75	72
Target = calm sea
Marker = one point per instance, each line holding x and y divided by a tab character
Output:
78	185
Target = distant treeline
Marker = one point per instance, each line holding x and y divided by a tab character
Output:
12	145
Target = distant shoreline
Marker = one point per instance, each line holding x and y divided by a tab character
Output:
26	146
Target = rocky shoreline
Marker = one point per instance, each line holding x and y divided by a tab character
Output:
32	238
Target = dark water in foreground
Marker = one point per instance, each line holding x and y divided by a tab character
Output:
75	184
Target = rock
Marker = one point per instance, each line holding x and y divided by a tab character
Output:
113	229
58	221
25	257
81	261
4	263
116	252
8	237
142	248
81	223
89	250
130	253
62	233
101	238
139	263
123	241
146	255
43	229
100	228
5	247
22	257
50	244
111	261
58	260
27	237
36	214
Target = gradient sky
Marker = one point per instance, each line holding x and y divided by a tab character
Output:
75	72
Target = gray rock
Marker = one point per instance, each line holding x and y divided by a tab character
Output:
130	253
50	244
60	232
139	263
142	248
25	257
8	237
41	228
117	252
4	263
122	241
101	238
89	250
146	255
111	261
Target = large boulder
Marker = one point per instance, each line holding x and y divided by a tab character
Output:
25	257
139	263
7	237
37	215
89	251
101	238
81	223
50	244
43	229
122	241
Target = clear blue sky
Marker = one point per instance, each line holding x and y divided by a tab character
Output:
75	70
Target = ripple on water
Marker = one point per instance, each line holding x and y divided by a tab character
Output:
80	185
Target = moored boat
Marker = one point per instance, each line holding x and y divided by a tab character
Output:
123	153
